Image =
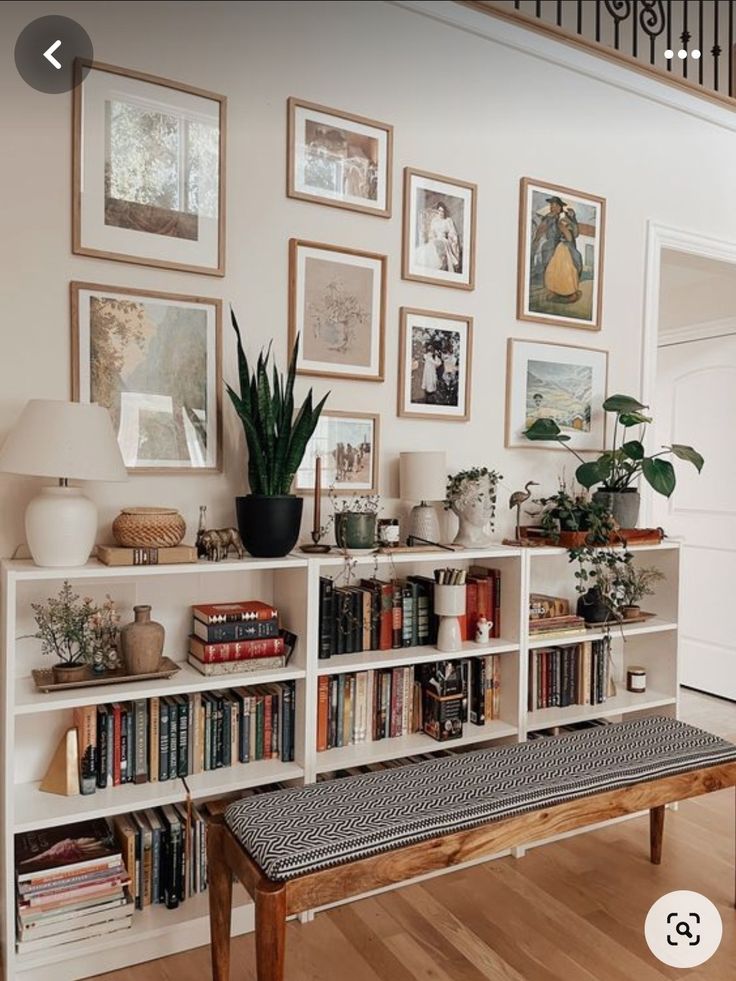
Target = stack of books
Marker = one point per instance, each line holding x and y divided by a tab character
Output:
550	616
578	674
71	886
232	638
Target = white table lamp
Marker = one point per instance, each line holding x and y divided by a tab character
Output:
69	441
423	478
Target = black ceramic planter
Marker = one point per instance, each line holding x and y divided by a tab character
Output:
592	608
269	526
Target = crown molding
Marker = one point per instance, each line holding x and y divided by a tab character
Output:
704	330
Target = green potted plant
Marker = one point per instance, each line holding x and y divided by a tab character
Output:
65	629
355	520
619	469
270	516
635	585
574	520
471	495
599	582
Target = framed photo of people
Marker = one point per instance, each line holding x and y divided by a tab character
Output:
347	444
148	170
556	381
439	230
339	159
337	305
153	360
561	239
435	351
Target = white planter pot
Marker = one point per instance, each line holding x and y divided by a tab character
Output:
449	604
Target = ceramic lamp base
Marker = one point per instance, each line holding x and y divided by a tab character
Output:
449	638
61	525
424	523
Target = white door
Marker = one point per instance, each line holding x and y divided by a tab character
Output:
696	405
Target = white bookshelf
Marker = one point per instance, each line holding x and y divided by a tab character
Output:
33	722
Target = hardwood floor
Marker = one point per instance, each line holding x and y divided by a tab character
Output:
570	911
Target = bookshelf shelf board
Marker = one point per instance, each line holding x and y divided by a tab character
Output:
241	776
656	625
367	660
547	550
29	701
625	701
438	557
36	809
25	569
399	746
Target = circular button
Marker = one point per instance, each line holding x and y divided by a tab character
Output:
683	928
45	52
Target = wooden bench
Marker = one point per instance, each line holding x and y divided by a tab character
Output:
307	847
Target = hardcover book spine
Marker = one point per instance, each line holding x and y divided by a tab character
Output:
326	618
396	616
163	740
154	710
102	746
407	616
245	650
85	719
323	712
182	756
221	633
141	734
173	739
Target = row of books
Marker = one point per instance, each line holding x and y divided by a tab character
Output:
231	638
165	853
163	738
376	615
577	674
72	885
366	706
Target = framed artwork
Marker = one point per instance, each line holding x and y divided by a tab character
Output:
337	305
347	443
338	158
148	170
154	361
560	275
439	230
435	351
557	381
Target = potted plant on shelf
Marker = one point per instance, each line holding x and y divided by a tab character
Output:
635	585
471	495
355	520
270	516
599	582
65	630
619	469
574	520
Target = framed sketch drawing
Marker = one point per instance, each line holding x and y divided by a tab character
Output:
337	300
435	351
558	381
153	360
148	171
439	230
560	274
339	159
347	443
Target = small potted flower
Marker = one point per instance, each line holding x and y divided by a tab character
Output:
355	520
65	630
635	585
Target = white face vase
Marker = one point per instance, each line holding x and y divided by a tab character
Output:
474	508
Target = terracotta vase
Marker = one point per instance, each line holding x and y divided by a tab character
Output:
142	642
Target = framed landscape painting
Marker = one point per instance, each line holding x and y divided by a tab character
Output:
339	159
337	300
560	273
347	444
153	361
557	381
148	171
439	230
435	351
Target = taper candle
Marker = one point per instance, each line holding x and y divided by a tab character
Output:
317	501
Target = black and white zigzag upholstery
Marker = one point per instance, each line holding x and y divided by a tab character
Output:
298	830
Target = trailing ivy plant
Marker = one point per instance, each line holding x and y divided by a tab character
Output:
602	569
460	488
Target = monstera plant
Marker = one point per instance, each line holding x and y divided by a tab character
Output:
617	471
270	516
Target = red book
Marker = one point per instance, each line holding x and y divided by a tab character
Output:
234	612
238	650
323	709
472	588
117	710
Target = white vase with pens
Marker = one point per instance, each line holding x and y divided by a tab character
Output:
449	604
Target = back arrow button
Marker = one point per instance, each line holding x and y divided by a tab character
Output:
49	54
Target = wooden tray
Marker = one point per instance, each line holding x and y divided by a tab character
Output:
622	622
43	678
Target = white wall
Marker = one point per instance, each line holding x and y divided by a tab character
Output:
461	105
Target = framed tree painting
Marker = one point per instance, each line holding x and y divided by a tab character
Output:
337	301
439	230
557	381
560	269
153	361
435	351
148	170
339	159
347	444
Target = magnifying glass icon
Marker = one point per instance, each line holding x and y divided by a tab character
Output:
683	929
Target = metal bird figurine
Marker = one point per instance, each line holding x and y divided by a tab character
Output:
516	500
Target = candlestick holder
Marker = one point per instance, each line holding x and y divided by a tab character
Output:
315	548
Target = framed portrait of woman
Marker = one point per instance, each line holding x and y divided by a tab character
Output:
439	230
560	274
435	352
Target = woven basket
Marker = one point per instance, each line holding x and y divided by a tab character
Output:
148	528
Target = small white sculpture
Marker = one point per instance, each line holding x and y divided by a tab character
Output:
472	496
483	629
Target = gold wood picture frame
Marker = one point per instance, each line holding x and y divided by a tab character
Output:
435	365
348	444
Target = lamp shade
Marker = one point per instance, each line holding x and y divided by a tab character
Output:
423	475
73	440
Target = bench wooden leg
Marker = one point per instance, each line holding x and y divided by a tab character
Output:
270	930
656	833
220	888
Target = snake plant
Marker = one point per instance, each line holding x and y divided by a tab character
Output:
276	438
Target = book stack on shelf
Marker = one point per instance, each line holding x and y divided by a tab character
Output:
163	738
366	706
165	854
377	615
578	674
71	885
550	616
232	638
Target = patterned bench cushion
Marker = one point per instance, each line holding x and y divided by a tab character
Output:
303	829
